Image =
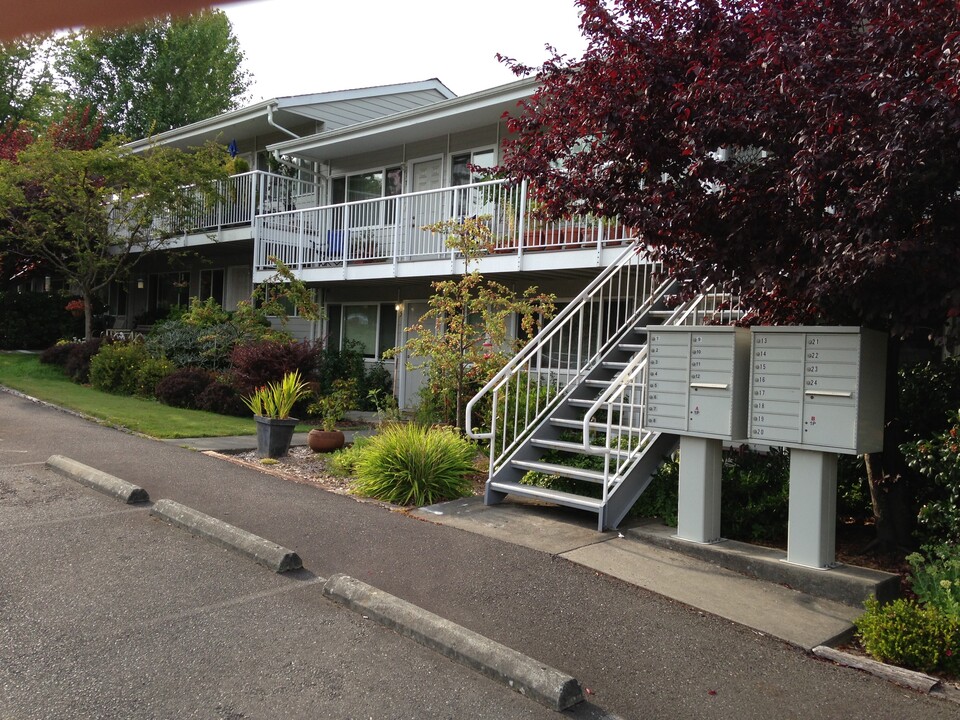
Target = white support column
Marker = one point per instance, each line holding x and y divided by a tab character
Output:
812	527
698	514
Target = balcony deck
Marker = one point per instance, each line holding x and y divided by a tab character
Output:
386	237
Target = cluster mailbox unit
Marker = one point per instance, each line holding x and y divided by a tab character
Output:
820	392
697	388
816	390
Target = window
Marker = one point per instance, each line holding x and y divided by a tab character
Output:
372	185
373	326
211	285
168	290
460	173
470	202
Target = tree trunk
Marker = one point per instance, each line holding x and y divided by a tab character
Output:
889	489
87	316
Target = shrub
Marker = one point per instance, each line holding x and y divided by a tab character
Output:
938	458
410	464
58	353
344	462
908	634
346	363
254	365
115	369
222	398
193	345
376	380
935	578
77	365
660	498
183	387
150	373
755	495
34	320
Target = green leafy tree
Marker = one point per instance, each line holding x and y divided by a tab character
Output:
27	93
463	336
162	74
91	214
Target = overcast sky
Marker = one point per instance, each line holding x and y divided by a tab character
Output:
306	46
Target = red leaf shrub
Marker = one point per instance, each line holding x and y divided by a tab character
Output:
184	387
255	364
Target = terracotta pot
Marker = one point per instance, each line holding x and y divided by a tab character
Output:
325	440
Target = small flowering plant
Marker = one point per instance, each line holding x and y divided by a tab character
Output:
276	399
76	305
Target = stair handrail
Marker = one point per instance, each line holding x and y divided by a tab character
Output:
689	313
546	333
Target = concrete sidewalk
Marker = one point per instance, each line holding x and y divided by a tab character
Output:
642	554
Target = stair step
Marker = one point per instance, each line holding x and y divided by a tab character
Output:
578	402
578	424
614	365
594	476
555	496
597	383
631	347
573	447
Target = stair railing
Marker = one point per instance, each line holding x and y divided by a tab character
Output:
624	401
554	362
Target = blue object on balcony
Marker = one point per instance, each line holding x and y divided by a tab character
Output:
335	244
232	148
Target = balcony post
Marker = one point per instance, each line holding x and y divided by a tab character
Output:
397	214
254	187
522	223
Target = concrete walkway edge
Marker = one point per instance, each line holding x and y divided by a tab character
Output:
269	554
98	480
533	679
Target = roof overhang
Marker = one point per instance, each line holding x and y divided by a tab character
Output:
263	118
462	113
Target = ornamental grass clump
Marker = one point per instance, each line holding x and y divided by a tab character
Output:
411	464
276	399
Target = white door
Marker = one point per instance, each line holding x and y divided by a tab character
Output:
411	379
425	209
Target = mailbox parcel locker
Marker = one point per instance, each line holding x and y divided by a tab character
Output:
818	388
697	381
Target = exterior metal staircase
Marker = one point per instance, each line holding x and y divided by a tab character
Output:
565	414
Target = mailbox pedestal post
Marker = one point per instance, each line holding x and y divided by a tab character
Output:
698	514
811	530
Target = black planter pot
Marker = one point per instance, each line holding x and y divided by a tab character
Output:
274	435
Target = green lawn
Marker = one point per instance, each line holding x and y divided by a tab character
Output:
24	372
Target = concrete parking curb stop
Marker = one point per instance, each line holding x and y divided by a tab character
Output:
98	480
269	554
533	679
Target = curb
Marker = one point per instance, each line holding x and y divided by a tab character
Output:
540	682
98	480
269	554
912	679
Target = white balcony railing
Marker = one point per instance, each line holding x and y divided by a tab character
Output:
240	198
391	229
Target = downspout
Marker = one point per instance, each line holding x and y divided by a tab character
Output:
272	122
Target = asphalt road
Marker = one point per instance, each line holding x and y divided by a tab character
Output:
163	625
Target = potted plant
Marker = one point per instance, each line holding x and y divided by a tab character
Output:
271	406
331	408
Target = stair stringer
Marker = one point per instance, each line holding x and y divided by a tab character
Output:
636	480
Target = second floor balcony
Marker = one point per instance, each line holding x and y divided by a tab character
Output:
239	200
386	237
